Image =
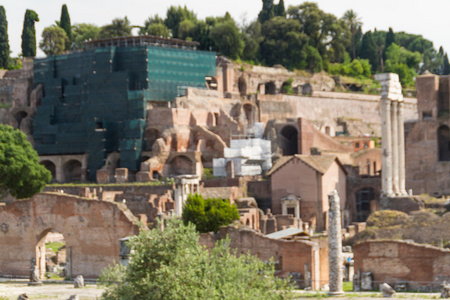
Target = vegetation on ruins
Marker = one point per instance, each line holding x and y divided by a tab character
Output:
29	34
54	40
21	175
118	27
83	32
4	43
208	214
171	264
64	23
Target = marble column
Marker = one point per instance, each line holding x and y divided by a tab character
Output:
401	150
335	245
386	181
395	151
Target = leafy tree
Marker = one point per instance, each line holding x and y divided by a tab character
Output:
390	39
379	38
118	27
403	62
279	9
171	264
29	34
176	15
313	60
226	38
4	42
202	35
186	30
369	50
251	35
64	23
54	40
354	24
208	214
21	175
157	29
84	32
284	43
267	11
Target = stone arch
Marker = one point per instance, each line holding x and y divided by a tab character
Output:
72	171
270	88
151	135
286	87
181	165
444	143
91	230
363	198
19	116
41	254
242	85
50	165
289	140
306	89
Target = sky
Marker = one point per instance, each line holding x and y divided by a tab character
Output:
427	18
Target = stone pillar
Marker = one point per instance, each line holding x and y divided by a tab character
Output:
184	185
394	147
386	168
401	150
335	245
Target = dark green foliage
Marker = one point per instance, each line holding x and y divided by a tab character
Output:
403	62
171	264
4	42
446	68
369	50
267	11
251	35
355	68
208	214
354	23
157	29
21	175
313	60
380	38
29	34
390	39
84	32
227	39
64	23
118	27
280	10
176	15
284	43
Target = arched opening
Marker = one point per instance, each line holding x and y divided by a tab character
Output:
242	85
72	171
249	113
49	165
444	143
51	255
19	116
181	165
306	89
151	135
289	140
363	198
270	88
286	88
155	175
328	130
443	97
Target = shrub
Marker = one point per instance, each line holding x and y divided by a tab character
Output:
387	218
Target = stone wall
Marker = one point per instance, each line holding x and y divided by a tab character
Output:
262	192
91	229
393	261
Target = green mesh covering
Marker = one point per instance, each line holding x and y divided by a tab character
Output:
95	101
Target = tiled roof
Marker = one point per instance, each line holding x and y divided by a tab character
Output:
320	163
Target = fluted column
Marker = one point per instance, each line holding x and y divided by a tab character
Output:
395	150
386	182
401	150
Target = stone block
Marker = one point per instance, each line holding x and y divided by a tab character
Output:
103	176
366	281
386	77
121	175
143	177
387	290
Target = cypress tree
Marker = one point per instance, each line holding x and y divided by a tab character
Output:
64	23
369	50
280	10
446	69
390	39
29	34
4	43
267	11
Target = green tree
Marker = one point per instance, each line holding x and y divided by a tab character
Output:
21	175
267	11
118	27
186	29
403	62
4	42
64	23
251	35
171	264
390	39
354	24
208	214
227	39
369	50
29	34
446	65
157	29
54	40
84	32
284	43
279	9
176	15
379	38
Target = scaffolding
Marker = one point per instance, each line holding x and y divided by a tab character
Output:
95	101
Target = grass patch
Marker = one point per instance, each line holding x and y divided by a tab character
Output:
55	246
348	286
